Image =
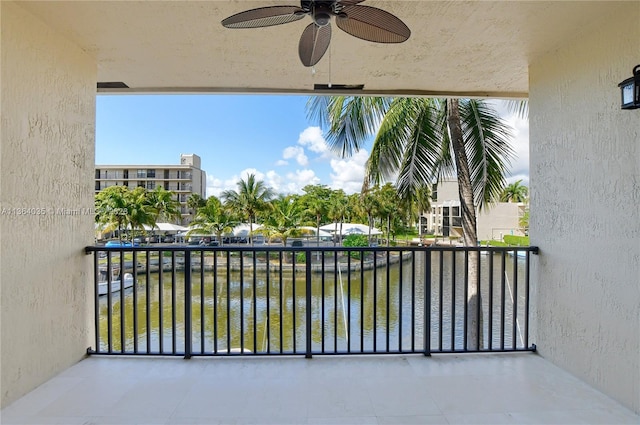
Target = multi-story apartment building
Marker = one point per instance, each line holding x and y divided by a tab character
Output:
445	218
183	179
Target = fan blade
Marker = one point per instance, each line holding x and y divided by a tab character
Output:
349	2
373	24
314	42
264	17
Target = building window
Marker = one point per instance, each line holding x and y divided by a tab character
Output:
151	185
151	174
125	184
166	174
140	184
445	211
125	174
142	174
97	174
457	221
166	185
434	193
455	211
97	185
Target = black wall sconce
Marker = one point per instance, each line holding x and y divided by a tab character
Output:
630	90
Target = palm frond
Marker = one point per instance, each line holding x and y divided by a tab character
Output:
488	150
518	107
349	121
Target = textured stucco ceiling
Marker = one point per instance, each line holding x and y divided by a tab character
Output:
476	48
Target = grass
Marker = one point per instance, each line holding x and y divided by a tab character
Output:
509	240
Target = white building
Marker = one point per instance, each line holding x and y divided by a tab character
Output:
183	179
445	218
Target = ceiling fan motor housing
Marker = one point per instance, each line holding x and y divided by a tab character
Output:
322	11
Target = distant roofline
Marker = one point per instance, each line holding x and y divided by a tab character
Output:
146	166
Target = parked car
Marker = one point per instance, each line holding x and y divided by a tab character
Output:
117	244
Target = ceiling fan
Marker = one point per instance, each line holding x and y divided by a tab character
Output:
365	22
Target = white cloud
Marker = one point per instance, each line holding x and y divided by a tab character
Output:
348	174
312	139
519	169
292	182
216	186
281	163
295	152
520	165
299	179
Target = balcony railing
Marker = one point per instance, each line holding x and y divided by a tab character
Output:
313	300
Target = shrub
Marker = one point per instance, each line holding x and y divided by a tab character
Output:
355	241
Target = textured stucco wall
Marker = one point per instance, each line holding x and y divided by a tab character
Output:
46	166
585	192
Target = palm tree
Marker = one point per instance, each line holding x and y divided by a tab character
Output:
141	212
316	208
164	204
419	140
369	204
112	206
515	192
387	206
338	207
250	199
195	201
212	218
285	217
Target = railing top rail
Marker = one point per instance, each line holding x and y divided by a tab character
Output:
267	248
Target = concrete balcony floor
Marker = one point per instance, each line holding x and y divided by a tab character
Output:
518	388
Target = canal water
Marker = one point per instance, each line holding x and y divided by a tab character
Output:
377	310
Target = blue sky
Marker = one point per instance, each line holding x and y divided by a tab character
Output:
267	135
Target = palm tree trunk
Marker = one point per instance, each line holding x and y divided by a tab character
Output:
251	229
470	237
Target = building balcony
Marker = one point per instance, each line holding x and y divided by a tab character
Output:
312	335
520	388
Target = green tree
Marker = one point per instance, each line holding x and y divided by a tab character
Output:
249	200
140	211
414	205
195	201
354	208
387	207
284	219
165	205
315	201
112	209
515	192
338	208
212	219
419	140
369	205
316	208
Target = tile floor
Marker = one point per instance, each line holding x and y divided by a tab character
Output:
518	388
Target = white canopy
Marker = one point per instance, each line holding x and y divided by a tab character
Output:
168	227
242	230
350	229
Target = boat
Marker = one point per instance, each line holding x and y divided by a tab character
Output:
103	284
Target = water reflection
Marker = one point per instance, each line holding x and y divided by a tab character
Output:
377	310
